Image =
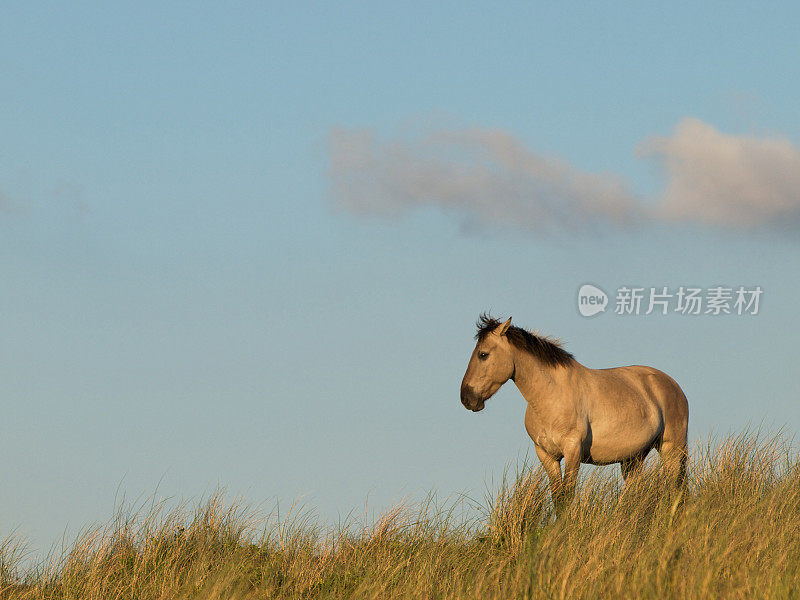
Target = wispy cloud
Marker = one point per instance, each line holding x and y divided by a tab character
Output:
487	173
711	178
6	205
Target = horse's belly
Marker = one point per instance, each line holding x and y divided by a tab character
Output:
613	444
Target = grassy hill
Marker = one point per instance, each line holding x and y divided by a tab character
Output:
736	534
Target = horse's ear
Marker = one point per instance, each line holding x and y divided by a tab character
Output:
502	329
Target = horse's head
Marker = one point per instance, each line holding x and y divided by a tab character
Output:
490	366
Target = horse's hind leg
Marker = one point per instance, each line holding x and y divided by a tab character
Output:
673	458
673	446
631	467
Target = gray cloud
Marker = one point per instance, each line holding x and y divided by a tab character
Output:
727	180
711	178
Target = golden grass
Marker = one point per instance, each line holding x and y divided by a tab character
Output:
736	534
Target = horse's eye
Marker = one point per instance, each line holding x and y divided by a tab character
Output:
483	355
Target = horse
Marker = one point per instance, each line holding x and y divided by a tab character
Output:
578	414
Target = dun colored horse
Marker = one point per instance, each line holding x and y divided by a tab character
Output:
581	415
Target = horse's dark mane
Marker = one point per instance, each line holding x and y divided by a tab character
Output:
547	350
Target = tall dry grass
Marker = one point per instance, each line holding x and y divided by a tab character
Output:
735	534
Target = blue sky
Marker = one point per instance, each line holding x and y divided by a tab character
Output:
190	299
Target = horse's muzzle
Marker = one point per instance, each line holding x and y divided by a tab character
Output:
471	399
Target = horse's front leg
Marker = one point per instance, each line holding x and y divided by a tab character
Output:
572	462
552	467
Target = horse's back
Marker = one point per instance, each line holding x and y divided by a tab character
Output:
647	384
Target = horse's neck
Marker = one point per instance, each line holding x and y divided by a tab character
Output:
535	380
